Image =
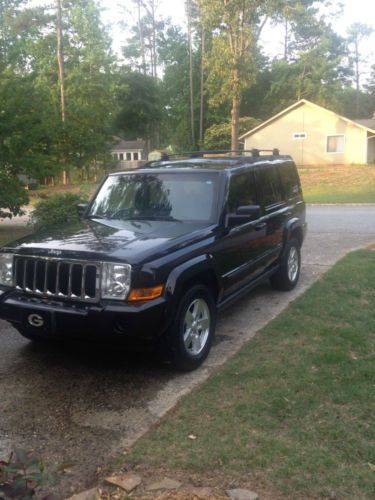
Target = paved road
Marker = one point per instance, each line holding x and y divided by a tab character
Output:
83	405
19	220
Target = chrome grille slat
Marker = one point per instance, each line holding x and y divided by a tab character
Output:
56	277
45	277
34	277
70	277
83	293
24	274
57	289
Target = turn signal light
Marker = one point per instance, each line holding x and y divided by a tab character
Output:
145	293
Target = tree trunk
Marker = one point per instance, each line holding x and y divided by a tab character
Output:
235	122
357	79
286	40
188	12
201	117
60	58
154	62
141	38
60	63
235	113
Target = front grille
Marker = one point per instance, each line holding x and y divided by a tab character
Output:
65	279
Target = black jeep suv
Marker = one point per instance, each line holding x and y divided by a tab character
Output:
158	251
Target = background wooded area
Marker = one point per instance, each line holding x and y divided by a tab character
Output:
64	94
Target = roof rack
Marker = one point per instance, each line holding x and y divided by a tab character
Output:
201	154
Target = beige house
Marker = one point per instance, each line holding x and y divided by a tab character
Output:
314	135
128	154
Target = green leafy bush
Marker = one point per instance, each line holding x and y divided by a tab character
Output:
57	210
12	195
23	473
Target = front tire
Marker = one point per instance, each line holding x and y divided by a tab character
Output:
288	273
188	341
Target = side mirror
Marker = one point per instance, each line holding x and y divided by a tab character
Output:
252	211
81	209
244	214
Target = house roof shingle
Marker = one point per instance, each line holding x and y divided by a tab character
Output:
368	123
121	144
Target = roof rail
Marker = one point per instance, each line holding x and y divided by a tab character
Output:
200	154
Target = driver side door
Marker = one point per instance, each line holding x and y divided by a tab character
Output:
242	245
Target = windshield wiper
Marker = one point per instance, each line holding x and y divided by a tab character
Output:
154	217
96	216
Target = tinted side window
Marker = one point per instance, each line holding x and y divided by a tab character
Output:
268	185
241	191
290	180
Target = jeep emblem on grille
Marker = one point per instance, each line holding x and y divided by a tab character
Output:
35	320
54	252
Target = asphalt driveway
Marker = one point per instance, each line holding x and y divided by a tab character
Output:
84	405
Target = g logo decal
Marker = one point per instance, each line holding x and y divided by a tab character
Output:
35	320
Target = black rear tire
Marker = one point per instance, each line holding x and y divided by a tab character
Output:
188	341
287	276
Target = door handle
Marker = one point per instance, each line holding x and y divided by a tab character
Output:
260	226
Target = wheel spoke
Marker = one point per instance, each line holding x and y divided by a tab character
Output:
204	324
189	318
188	338
200	310
197	344
194	309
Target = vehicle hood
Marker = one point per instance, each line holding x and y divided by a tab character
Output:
132	241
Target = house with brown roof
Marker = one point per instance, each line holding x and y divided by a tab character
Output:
314	135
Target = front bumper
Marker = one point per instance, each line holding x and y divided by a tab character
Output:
139	322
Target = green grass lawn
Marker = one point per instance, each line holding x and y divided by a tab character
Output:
338	184
10	232
294	411
86	189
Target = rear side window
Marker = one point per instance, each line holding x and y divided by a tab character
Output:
268	185
241	191
289	180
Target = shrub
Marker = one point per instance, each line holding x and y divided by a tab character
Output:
23	473
12	195
58	210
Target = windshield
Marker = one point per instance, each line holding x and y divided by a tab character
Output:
160	196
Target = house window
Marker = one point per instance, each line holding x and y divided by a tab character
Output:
128	156
121	156
335	143
135	156
299	136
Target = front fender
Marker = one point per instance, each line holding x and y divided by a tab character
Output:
293	225
199	268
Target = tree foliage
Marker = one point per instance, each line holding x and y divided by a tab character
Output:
138	105
24	137
218	136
